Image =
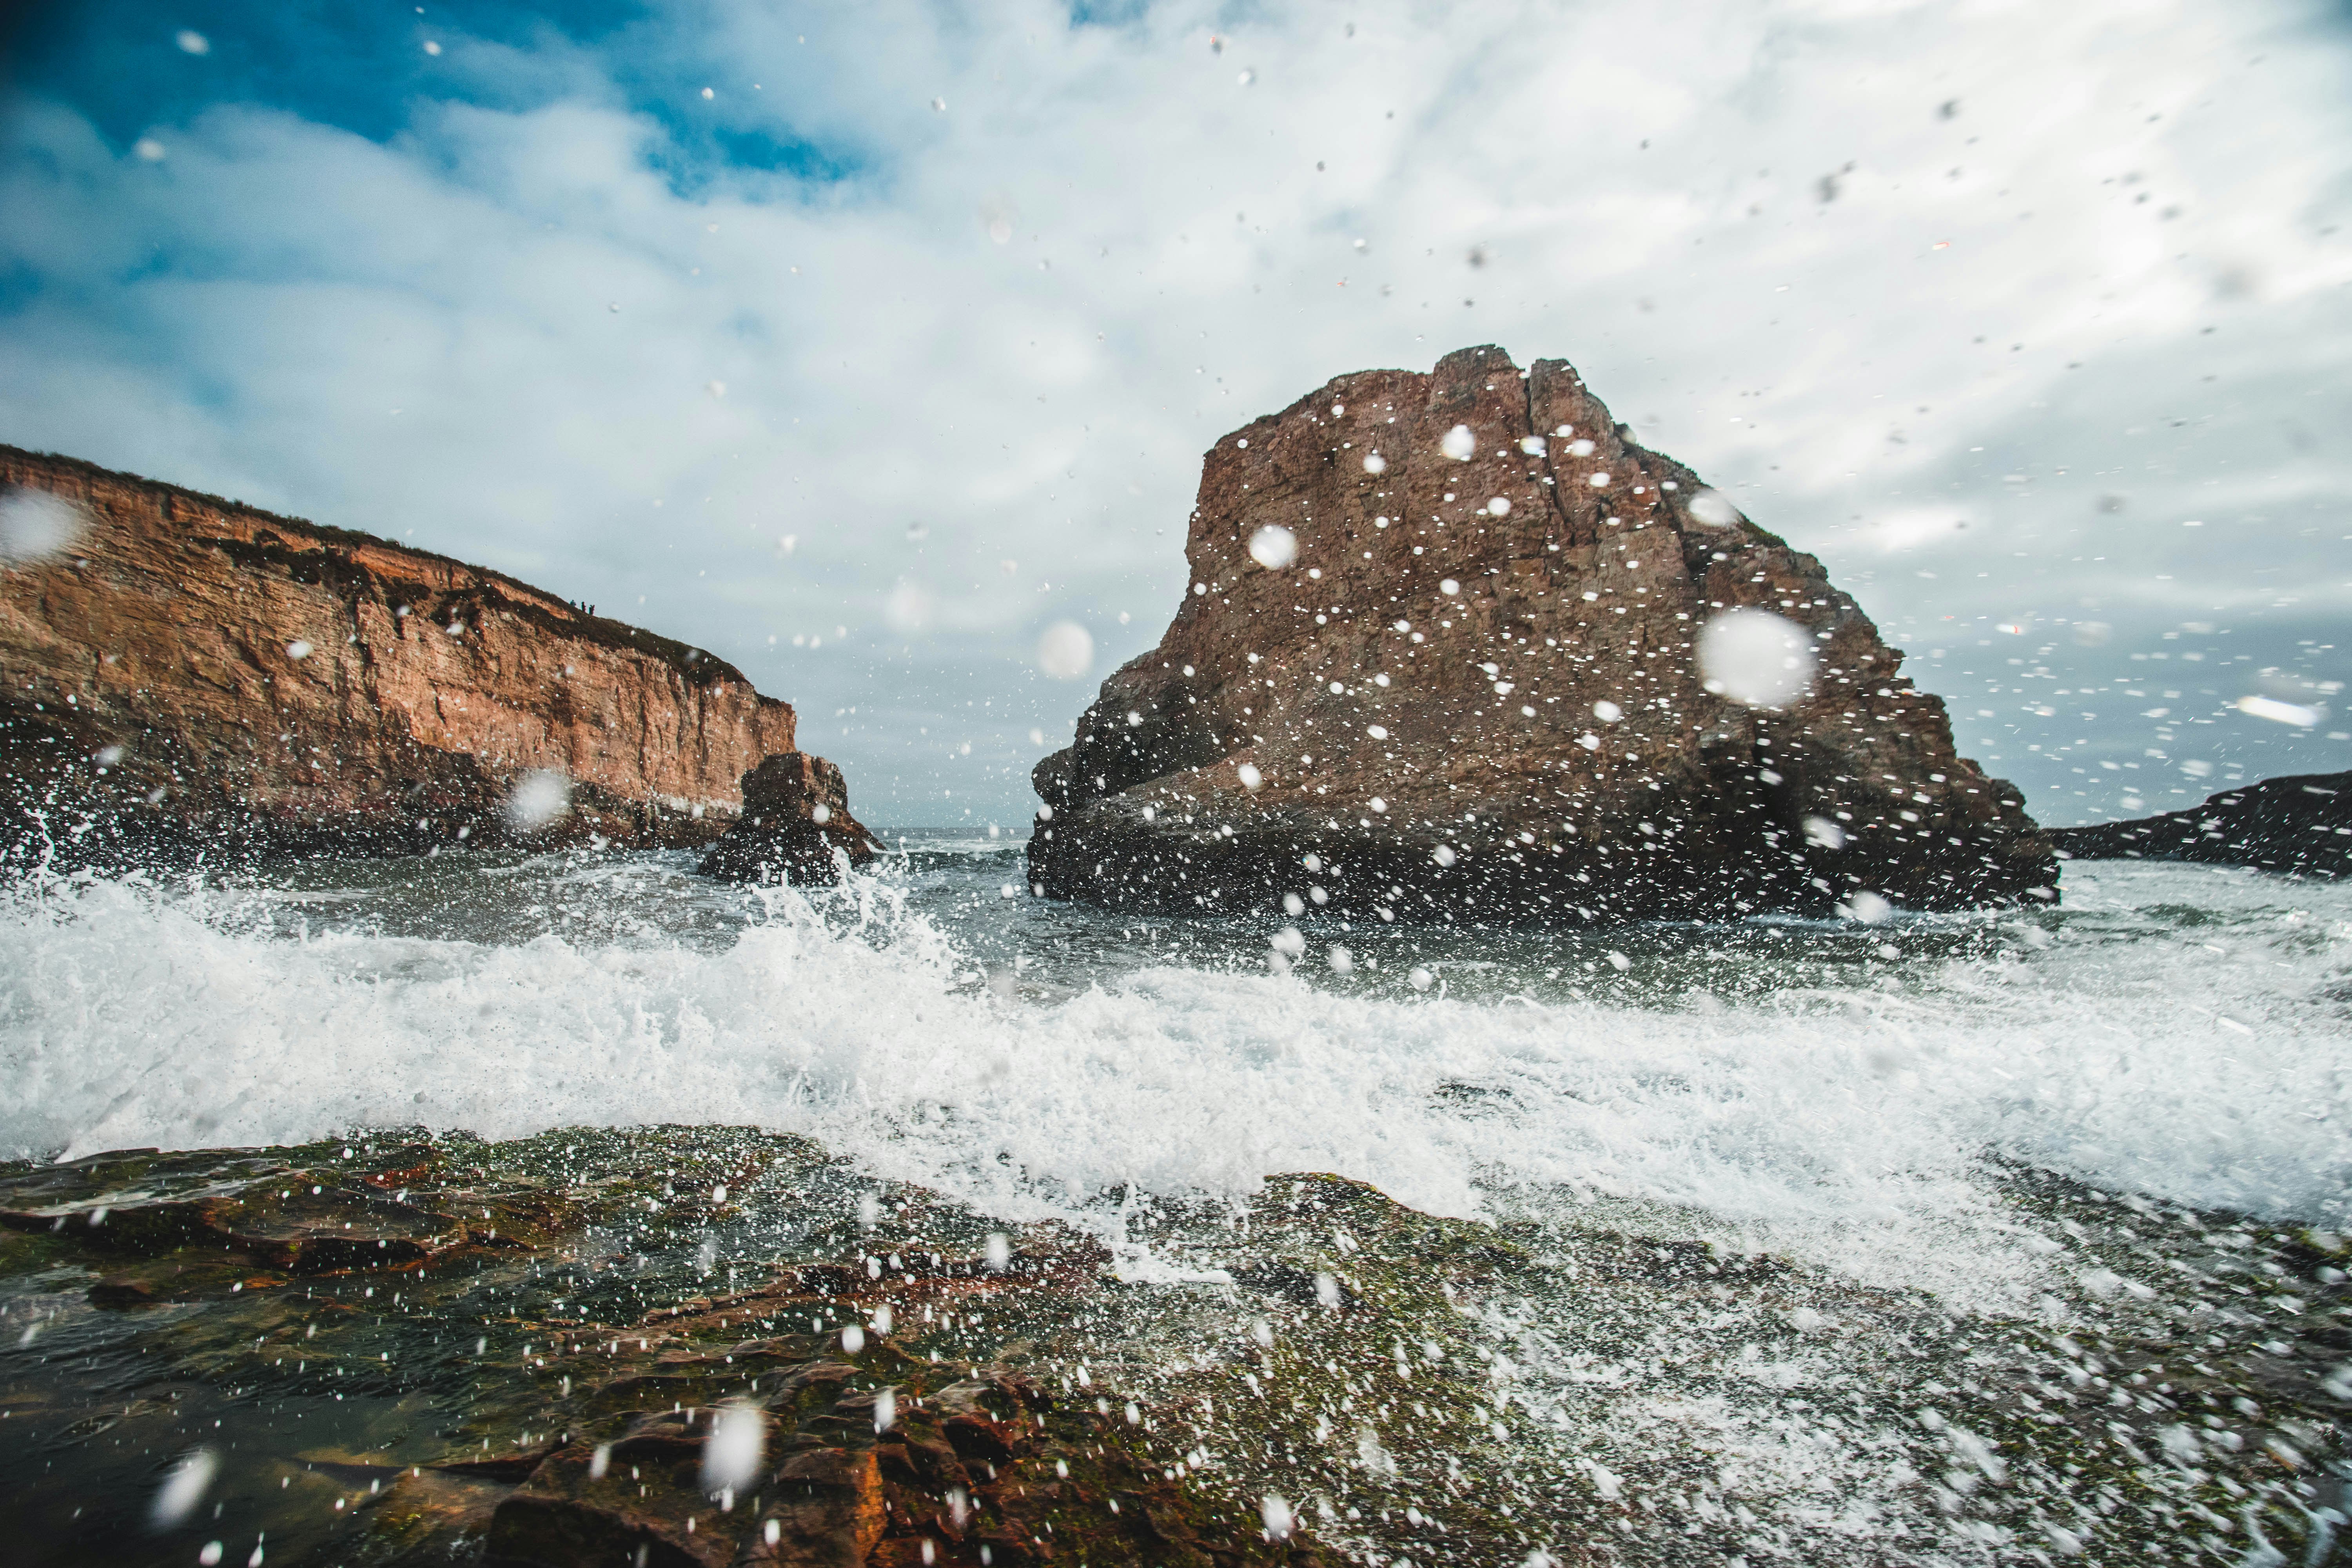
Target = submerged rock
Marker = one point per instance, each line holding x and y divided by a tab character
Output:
795	826
2301	825
181	674
1454	645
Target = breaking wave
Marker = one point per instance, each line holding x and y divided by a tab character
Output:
2171	1031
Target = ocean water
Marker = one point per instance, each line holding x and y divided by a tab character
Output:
1827	1089
1953	1129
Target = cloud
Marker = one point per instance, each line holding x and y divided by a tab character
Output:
1822	252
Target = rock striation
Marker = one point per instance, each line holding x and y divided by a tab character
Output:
795	826
1437	659
180	671
2300	825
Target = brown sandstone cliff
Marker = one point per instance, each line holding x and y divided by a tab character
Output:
210	673
1474	693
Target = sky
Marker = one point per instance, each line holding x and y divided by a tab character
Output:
861	344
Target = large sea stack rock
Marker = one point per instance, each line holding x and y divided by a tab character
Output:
180	673
2301	825
1474	694
795	826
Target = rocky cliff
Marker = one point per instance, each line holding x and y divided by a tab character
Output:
2301	825
1438	658
201	673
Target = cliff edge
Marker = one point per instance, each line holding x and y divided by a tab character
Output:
182	672
1441	658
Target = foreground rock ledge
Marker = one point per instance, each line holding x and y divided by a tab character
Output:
1422	694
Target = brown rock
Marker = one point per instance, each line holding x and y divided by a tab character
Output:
795	818
1417	692
827	1505
424	690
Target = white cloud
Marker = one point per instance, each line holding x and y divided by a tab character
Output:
1645	184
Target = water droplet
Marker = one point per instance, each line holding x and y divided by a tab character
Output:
183	1488
732	1454
36	525
1713	508
1756	658
1066	651
538	798
1274	547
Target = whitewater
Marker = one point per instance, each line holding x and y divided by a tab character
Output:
1853	1095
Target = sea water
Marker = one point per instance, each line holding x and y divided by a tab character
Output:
1887	1106
1826	1087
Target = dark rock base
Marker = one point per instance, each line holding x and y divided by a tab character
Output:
2301	825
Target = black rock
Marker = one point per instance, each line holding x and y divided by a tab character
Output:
2301	825
795	826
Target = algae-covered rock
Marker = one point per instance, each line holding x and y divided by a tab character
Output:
691	1345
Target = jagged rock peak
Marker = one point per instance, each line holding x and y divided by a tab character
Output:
1438	658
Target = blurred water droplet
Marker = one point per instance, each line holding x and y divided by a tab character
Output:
1066	651
184	1486
36	525
538	798
732	1454
1274	547
1868	907
1709	507
1754	657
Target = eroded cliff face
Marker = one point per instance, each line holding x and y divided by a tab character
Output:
201	670
1474	691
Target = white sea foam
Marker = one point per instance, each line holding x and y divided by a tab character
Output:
2206	1065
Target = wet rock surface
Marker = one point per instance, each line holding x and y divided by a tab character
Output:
190	676
795	826
2300	825
1437	659
714	1346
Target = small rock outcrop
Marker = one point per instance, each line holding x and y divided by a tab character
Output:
795	826
2301	825
1439	658
182	673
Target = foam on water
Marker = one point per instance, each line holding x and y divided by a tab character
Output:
2183	1035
